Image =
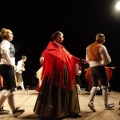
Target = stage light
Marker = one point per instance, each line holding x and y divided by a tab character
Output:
118	6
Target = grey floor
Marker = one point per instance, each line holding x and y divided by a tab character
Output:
27	102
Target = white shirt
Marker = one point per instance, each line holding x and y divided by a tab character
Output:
20	67
5	50
104	55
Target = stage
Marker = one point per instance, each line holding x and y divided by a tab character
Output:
27	101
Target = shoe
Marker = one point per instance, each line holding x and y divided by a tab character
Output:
18	112
2	111
79	93
17	108
25	91
91	106
109	106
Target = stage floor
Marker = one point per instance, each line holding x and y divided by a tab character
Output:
27	101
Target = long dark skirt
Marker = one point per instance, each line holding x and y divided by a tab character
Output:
56	102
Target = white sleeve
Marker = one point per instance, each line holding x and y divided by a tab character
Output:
5	51
105	55
19	66
87	56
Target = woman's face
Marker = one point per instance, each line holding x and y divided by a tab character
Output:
10	36
60	38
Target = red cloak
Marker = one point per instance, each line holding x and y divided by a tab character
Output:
57	58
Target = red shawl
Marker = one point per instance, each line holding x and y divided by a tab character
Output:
56	59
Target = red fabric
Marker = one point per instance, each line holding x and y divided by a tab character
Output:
109	72
1	81
37	87
56	58
88	77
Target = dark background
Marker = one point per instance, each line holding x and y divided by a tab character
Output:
34	21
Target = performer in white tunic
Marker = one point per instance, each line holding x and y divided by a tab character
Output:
7	67
19	70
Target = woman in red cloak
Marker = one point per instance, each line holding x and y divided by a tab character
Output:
58	94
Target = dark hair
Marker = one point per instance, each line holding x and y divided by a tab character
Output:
54	36
24	57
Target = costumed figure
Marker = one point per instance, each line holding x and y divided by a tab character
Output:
7	68
19	71
58	95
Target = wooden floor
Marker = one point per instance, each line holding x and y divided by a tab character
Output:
27	102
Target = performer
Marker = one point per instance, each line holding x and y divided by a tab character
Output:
58	94
7	67
78	72
19	70
39	77
98	57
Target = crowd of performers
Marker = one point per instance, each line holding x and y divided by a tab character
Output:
57	95
79	79
59	79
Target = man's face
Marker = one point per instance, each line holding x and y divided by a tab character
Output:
24	60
